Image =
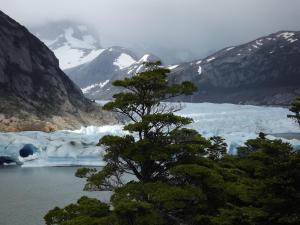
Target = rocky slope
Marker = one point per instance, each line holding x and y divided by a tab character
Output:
34	93
265	71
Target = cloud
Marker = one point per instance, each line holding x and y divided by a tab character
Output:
194	26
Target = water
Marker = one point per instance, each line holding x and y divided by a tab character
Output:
26	194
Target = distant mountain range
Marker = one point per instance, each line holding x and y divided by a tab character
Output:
35	94
265	71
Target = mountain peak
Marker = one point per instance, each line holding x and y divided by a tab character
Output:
72	43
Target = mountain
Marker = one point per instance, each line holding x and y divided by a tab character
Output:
82	58
72	43
95	78
265	71
35	94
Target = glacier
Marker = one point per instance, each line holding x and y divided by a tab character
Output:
236	123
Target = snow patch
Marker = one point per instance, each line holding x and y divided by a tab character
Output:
286	35
210	59
259	42
139	68
198	62
71	57
124	61
145	58
291	40
228	49
172	67
98	85
200	70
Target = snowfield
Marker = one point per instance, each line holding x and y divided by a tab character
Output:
236	123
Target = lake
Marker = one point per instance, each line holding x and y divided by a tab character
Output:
26	194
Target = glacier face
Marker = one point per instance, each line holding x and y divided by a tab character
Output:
236	123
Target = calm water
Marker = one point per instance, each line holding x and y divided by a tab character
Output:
26	194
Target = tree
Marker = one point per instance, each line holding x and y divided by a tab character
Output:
163	173
295	108
157	142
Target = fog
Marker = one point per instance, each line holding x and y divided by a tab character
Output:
185	28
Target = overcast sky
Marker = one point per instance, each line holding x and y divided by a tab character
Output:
197	26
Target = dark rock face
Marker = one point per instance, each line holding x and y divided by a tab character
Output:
265	72
33	88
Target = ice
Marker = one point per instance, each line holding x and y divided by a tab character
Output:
124	61
61	148
236	123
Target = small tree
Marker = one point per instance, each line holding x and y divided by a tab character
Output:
160	155
295	108
159	142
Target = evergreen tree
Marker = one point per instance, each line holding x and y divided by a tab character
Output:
162	173
295	108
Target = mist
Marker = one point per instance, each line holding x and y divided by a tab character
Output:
186	28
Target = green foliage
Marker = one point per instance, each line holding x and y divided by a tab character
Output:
91	211
174	176
295	109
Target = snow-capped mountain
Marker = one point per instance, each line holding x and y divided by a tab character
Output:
264	71
81	56
72	43
95	78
